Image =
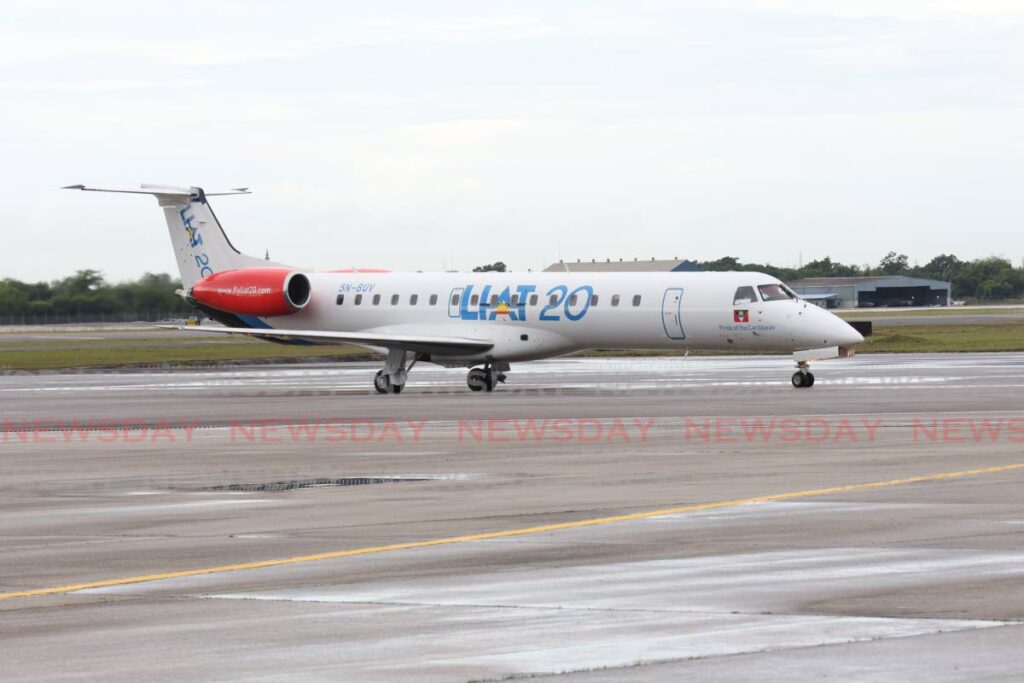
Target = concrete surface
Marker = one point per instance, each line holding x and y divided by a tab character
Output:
99	481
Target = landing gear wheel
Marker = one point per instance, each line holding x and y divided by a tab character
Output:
479	380
484	379
803	380
382	383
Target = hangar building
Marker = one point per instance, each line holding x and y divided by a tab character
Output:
827	292
635	265
868	292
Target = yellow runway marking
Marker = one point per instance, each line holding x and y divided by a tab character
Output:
507	534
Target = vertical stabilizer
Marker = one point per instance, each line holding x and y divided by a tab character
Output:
201	247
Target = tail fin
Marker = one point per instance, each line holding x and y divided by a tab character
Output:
201	247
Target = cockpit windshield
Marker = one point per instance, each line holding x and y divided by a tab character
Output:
744	295
776	292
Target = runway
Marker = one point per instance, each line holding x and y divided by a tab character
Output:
594	519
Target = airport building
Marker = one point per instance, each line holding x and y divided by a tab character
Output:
827	292
628	265
869	292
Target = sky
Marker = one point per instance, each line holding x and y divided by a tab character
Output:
445	135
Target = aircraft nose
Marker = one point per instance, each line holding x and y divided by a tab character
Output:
848	336
823	328
840	332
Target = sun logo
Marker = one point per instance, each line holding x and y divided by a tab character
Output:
502	308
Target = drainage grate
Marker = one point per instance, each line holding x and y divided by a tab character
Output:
320	482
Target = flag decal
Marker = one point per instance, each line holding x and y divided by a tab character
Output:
740	315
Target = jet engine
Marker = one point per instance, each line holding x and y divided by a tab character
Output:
263	292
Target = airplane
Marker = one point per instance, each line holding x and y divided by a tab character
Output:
485	321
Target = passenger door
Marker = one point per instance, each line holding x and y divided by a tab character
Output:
672	313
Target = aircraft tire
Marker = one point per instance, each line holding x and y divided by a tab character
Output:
476	380
803	380
381	382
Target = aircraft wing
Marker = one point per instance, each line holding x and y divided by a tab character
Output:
442	346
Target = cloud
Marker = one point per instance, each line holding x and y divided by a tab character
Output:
616	129
907	10
19	49
96	86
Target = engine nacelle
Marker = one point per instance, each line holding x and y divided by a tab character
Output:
264	292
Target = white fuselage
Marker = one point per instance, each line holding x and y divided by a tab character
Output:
490	319
537	315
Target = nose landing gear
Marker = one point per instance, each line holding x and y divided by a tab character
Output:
486	378
803	378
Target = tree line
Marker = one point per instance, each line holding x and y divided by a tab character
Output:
88	293
986	279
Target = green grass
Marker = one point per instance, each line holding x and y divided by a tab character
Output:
949	338
155	341
939	311
169	354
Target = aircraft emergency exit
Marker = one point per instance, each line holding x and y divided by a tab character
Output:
485	321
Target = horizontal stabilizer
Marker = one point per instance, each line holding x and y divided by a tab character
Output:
156	190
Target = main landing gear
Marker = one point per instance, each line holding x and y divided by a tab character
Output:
486	378
802	378
391	380
382	383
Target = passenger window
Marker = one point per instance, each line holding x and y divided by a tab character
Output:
494	299
376	299
394	299
636	299
615	299
359	299
455	299
593	300
533	299
775	293
553	300
413	299
474	300
433	299
515	300
340	300
744	295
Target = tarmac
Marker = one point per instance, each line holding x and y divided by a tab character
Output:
594	519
